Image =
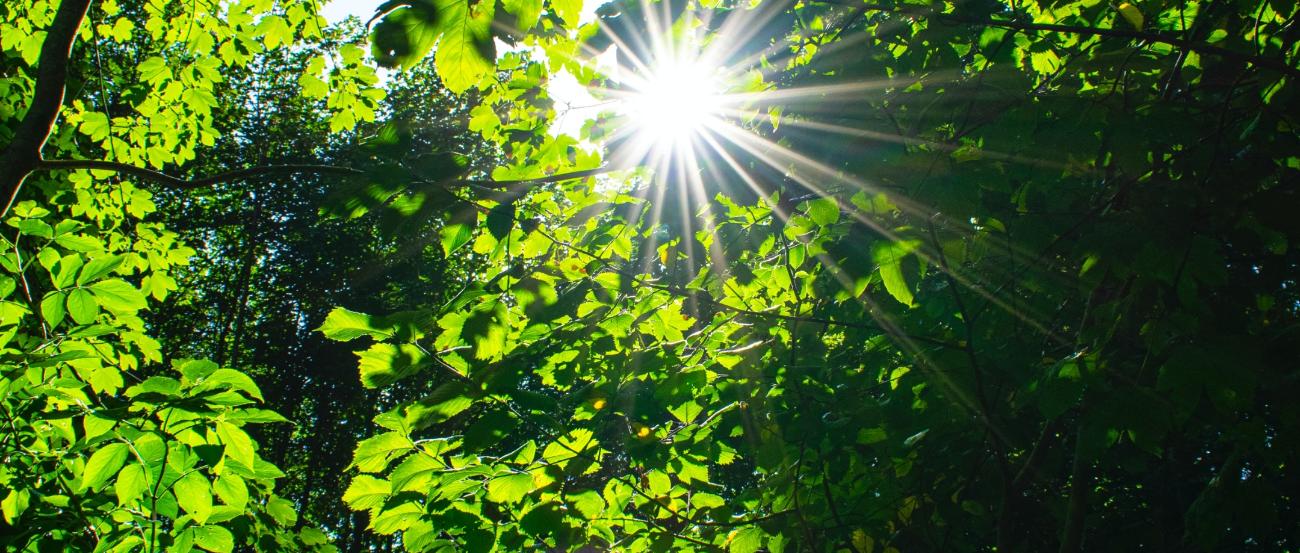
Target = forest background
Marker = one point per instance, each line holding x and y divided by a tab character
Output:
951	276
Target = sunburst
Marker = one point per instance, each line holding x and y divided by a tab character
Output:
674	103
686	101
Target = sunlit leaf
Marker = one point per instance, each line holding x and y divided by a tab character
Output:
103	464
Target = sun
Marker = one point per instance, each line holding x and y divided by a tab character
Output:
674	102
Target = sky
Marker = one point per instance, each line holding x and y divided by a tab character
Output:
338	10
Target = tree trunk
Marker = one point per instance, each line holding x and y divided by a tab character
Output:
1076	510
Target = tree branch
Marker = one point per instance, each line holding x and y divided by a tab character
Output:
265	170
1077	506
168	180
1030	468
23	154
559	177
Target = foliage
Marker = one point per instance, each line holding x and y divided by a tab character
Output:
104	447
928	327
268	267
968	276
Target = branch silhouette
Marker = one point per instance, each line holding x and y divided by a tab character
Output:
164	179
23	154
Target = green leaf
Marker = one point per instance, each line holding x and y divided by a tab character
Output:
238	445
824	211
687	411
443	403
52	308
454	236
96	425
98	268
405	35
414	472
459	59
367	492
35	227
282	511
66	271
509	488
489	429
689	470
374	454
659	483
746	540
568	10
344	325
79	243
868	436
705	500
194	495
500	220
526	12
118	296
14	504
421	537
313	536
232	490
588	502
131	483
396	519
569	446
194	369
103	464
542	520
915	438
154	68
95	125
384	364
888	256
82	307
274	31
229	379
255	416
163	385
214	538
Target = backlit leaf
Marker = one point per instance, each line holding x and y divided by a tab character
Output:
509	488
103	464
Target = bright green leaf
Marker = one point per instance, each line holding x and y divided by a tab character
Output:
509	488
118	296
82	307
214	538
103	464
888	256
367	492
344	325
131	483
194	495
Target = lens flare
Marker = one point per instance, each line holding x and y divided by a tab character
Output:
675	102
712	106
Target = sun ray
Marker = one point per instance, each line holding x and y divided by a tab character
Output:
886	324
779	157
677	98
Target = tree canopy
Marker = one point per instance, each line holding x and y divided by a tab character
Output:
814	275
